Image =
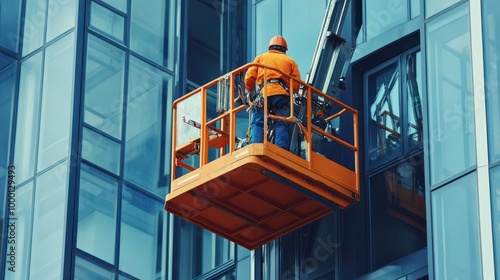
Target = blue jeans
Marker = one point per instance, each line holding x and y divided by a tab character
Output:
280	104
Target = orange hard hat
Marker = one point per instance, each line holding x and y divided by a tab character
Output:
278	41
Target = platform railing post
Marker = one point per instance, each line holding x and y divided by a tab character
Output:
203	128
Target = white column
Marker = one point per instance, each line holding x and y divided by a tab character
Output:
483	178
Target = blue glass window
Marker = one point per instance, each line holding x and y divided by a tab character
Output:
267	24
301	38
7	85
142	236
213	251
384	112
85	270
107	22
455	230
24	221
382	15
28	110
491	35
152	30
397	201
450	96
97	210
34	25
495	209
119	4
49	223
101	150
104	83
144	145
57	102
61	17
10	13
433	7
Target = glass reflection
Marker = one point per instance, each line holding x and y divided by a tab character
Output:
433	7
49	223
495	211
414	111
151	30
119	4
34	25
382	15
455	222
450	97
57	101
85	270
97	214
24	216
108	22
384	112
104	82
491	35
101	150
145	146
142	236
61	17
267	23
397	198
301	38
10	14
28	109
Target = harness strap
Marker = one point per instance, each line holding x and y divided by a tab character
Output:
274	81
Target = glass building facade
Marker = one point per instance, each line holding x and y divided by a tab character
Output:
86	89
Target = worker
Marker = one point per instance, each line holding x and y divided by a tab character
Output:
275	90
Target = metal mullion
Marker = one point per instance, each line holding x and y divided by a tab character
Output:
121	180
100	132
74	157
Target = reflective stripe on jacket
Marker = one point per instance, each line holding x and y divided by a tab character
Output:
274	59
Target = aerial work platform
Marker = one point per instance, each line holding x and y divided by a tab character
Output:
252	194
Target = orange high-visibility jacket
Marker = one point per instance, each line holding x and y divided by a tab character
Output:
274	59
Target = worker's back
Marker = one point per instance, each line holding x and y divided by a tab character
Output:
273	59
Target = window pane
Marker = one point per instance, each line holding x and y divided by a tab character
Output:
27	117
301	38
491	35
433	7
151	30
61	17
414	89
10	13
34	25
57	102
384	114
495	208
205	52
85	270
397	199
104	83
101	150
382	15
142	237
119	4
23	214
7	85
144	146
450	100
49	223
455	221
107	21
267	24
414	8
97	214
